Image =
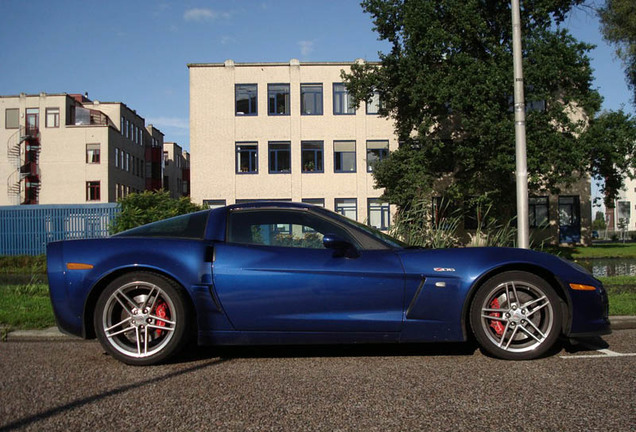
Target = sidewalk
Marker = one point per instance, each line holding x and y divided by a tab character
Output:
52	333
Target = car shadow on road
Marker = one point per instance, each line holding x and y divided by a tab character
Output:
194	353
590	344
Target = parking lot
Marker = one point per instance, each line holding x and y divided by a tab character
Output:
72	385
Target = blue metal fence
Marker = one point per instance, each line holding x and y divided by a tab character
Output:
26	230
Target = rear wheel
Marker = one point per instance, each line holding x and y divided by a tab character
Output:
142	318
516	316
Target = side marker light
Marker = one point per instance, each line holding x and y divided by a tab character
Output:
78	266
580	287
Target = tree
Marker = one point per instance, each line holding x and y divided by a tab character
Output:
618	23
599	221
448	84
611	140
142	208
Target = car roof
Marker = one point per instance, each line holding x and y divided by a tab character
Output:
270	204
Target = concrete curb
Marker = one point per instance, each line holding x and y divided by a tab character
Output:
52	333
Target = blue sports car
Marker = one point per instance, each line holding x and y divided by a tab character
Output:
287	273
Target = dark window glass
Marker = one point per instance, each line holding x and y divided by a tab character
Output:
279	157
246	158
92	191
191	225
246	99
538	211
278	99
311	155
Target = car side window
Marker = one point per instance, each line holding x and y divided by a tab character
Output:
283	228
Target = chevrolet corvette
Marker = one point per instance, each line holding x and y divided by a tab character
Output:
288	273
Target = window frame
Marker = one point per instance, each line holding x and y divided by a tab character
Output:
90	157
55	111
338	206
275	152
340	97
250	151
377	204
253	111
305	90
317	154
532	210
375	101
337	157
17	118
287	99
384	153
91	187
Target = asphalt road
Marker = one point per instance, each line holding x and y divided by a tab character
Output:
72	385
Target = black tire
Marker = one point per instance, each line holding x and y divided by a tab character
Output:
516	316
142	318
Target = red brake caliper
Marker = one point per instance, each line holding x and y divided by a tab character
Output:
495	324
162	312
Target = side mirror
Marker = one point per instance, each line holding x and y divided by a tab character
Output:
340	247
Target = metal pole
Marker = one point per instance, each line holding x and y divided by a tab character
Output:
520	132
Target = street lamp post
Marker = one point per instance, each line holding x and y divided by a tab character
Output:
521	174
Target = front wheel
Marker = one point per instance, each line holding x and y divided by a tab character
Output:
142	318
516	316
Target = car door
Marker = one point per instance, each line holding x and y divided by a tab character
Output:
274	274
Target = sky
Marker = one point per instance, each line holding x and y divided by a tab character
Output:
137	51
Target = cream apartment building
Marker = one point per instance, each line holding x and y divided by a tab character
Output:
67	149
285	131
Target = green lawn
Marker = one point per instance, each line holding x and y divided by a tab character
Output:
25	306
601	250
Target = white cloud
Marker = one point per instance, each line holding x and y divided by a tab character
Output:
200	14
306	47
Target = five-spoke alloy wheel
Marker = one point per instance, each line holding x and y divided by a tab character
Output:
516	315
141	318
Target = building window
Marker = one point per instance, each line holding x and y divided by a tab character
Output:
92	191
52	117
342	102
311	156
92	153
344	156
246	99
279	157
123	124
376	151
12	118
378	214
347	207
374	105
116	157
278	99
246	158
319	202
214	203
538	211
311	99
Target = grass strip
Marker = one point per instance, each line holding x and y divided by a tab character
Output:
25	307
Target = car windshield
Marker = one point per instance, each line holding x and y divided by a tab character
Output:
375	233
